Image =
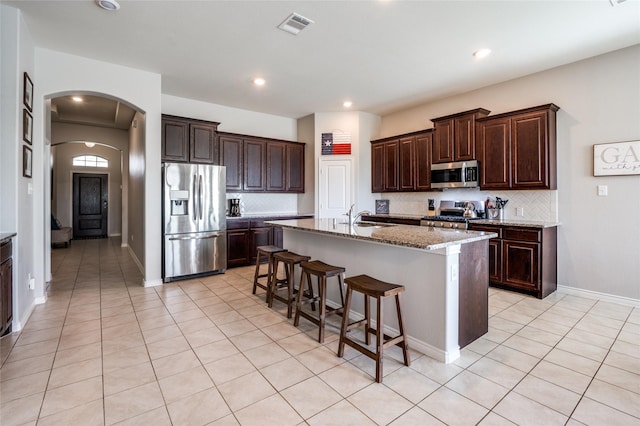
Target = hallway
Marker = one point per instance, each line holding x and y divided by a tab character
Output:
104	350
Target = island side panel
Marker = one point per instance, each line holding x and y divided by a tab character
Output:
474	292
430	300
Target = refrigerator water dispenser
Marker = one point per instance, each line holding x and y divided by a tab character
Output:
179	203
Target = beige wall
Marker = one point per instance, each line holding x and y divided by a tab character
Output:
600	102
136	194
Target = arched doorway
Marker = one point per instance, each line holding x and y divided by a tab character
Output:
108	124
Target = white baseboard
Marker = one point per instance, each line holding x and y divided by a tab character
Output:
597	295
151	283
136	260
19	323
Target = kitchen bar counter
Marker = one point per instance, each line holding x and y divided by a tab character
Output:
425	238
445	274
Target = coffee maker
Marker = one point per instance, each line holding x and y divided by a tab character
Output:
234	207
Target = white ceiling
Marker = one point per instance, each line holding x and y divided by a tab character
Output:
382	55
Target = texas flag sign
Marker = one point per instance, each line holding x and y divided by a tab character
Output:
336	143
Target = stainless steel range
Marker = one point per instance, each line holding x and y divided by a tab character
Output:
452	214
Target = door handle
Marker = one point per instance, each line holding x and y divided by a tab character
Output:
104	204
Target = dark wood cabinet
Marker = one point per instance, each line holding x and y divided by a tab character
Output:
257	164
231	156
454	137
494	153
6	287
401	163
407	164
517	150
391	219
522	259
423	161
259	235
186	140
294	170
276	166
254	166
245	235
377	167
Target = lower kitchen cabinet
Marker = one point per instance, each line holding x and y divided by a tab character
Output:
6	287
237	243
245	235
522	259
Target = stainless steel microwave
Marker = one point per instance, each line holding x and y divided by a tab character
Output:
460	174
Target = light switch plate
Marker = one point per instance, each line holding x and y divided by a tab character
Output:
603	190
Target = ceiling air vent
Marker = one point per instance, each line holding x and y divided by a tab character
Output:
295	23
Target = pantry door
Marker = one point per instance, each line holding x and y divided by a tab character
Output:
335	188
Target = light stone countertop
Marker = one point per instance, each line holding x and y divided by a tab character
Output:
524	223
4	236
424	237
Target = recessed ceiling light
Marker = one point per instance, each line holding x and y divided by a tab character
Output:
76	99
482	53
259	81
108	4
347	104
90	144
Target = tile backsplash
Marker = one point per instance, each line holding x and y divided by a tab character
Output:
266	204
536	205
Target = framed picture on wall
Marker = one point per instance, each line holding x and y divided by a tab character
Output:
27	126
616	159
27	161
28	92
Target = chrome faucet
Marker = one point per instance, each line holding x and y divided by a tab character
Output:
349	213
355	218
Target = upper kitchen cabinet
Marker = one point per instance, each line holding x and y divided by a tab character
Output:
186	140
454	137
401	163
256	164
517	150
255	176
231	157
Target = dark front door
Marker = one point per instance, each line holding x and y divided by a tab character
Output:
89	205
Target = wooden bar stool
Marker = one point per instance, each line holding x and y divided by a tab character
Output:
370	287
268	252
322	271
289	260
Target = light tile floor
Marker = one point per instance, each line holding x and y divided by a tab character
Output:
104	350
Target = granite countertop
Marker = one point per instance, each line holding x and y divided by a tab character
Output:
524	223
268	216
396	216
505	222
4	236
425	238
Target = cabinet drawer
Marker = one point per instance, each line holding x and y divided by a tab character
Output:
486	228
521	234
237	224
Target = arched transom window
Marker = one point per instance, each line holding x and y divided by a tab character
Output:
90	161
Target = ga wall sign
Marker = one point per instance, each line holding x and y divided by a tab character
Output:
619	158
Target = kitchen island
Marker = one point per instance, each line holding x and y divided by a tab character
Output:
445	273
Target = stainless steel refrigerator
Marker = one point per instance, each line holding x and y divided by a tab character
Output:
194	220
